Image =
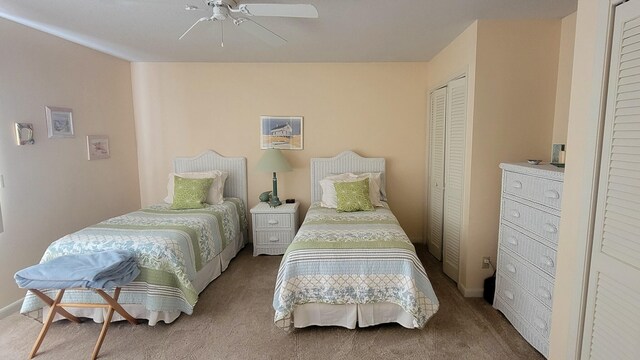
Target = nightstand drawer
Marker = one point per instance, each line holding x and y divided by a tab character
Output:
266	221
273	237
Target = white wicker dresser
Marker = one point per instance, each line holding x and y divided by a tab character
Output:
529	220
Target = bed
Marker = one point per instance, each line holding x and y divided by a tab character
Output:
351	268
179	252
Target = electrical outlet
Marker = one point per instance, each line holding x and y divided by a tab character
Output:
486	262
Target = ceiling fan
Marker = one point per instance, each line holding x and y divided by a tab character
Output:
240	15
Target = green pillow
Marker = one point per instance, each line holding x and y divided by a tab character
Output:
353	196
190	193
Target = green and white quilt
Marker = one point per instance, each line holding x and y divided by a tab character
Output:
170	246
359	257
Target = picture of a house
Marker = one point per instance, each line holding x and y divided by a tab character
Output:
282	132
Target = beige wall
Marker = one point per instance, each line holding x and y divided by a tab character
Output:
576	202
563	93
50	187
459	57
375	109
515	88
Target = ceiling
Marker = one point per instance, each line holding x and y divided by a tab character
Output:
346	30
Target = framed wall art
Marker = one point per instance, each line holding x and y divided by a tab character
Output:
98	147
59	122
281	132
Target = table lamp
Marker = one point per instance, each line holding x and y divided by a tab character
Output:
273	161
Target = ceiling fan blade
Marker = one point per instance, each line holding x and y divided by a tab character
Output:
284	10
194	25
261	32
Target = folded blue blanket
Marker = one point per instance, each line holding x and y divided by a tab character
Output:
100	270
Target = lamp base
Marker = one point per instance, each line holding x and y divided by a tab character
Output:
274	202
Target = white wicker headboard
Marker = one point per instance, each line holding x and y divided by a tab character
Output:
347	161
236	184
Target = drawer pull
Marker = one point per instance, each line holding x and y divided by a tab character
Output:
272	222
511	268
544	293
508	294
512	240
515	213
551	194
540	323
516	184
550	228
547	261
273	239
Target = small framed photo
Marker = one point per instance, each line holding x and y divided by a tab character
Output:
281	132
24	134
59	122
98	147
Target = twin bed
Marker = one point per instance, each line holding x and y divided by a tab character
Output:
179	252
351	268
343	269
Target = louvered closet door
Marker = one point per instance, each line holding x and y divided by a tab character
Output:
454	174
436	171
612	318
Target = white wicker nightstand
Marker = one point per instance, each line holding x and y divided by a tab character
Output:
273	228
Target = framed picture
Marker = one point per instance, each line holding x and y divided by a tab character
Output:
98	147
24	134
281	132
59	122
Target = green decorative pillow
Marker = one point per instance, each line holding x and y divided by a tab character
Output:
190	193
353	196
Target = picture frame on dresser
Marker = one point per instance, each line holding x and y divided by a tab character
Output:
528	239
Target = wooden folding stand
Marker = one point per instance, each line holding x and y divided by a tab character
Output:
57	308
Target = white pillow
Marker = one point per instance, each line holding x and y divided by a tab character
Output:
330	197
216	191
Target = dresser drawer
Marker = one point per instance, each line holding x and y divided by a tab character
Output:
535	313
543	191
272	238
538	254
532	280
522	326
266	221
537	221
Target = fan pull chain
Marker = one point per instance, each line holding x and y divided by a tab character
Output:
222	32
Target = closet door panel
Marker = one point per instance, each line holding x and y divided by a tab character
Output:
612	314
436	171
454	174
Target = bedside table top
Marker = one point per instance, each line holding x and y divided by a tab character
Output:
282	209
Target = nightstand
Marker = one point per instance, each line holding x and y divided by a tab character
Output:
273	228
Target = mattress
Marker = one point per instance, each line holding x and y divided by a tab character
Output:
357	258
177	251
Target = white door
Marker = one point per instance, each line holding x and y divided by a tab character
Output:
454	175
612	314
436	171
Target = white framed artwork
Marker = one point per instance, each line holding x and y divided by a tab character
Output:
59	122
98	147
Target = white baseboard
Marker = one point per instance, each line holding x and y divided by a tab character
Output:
470	292
11	309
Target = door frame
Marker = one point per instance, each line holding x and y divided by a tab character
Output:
593	126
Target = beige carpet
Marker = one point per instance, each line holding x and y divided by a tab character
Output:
234	320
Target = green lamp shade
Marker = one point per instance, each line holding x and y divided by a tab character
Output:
273	161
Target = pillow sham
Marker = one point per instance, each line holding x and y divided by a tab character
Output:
329	199
190	193
216	191
353	196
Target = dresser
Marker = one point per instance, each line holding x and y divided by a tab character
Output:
273	227
528	241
